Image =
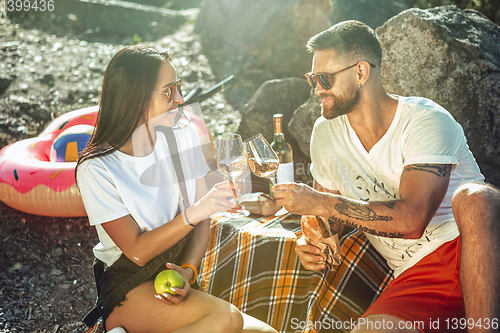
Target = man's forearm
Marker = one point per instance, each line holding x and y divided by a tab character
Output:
385	219
421	191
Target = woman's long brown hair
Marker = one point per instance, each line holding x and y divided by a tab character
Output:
127	88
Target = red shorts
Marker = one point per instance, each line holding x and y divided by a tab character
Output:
427	294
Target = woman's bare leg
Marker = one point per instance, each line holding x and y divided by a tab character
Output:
198	312
253	325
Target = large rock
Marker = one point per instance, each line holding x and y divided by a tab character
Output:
275	96
302	122
452	57
259	40
372	12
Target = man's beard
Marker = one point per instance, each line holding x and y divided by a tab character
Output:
339	105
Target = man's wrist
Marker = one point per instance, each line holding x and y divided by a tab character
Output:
326	203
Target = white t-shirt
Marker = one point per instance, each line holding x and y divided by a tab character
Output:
421	132
118	184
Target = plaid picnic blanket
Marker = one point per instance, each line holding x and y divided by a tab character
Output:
251	263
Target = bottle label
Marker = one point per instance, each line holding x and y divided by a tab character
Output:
285	173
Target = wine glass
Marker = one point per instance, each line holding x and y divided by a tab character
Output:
263	161
232	163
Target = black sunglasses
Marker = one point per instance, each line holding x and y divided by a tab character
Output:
326	79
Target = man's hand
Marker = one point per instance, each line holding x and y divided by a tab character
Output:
309	255
299	198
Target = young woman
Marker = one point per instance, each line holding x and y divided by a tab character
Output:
129	180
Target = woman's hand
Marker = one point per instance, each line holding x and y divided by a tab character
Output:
181	293
309	255
217	199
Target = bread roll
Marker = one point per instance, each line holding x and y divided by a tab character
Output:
318	232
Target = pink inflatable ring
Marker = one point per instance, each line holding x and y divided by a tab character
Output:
30	182
33	182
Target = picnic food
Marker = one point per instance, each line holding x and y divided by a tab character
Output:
167	279
318	232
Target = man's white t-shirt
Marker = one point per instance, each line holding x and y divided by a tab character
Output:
118	184
421	132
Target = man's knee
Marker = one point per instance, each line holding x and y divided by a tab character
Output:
477	199
476	194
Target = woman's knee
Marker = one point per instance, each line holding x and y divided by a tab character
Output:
227	318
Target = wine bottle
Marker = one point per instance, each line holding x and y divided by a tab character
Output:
283	150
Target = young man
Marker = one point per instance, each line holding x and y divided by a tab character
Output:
390	166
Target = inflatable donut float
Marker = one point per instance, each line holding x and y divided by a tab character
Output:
37	175
32	183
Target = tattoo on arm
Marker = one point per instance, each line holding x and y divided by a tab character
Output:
442	170
359	212
389	204
335	225
362	213
334	220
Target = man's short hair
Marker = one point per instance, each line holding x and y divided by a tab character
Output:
351	40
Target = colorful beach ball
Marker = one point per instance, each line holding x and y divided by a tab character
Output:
70	143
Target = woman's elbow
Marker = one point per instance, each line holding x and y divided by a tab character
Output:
137	259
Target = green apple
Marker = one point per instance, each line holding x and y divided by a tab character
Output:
168	279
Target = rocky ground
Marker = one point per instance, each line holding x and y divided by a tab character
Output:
46	282
43	76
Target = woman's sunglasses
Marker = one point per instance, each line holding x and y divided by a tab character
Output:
171	90
326	79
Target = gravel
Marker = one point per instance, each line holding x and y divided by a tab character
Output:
46	281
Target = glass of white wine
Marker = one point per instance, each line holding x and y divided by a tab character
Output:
232	163
262	159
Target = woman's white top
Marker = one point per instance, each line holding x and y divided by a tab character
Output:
118	184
